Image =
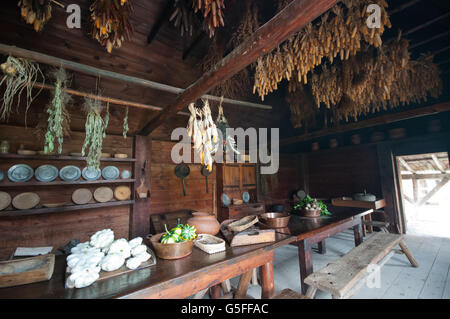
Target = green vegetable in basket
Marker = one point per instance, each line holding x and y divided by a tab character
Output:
188	232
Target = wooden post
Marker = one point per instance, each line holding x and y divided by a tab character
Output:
140	215
357	234
243	285
305	261
322	247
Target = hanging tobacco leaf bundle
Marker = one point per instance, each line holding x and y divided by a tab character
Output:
339	33
18	75
110	21
212	13
58	116
95	132
35	12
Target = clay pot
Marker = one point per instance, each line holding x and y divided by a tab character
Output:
204	223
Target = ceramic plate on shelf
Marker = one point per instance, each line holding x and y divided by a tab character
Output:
70	173
46	173
91	174
110	172
246	197
20	173
225	200
126	174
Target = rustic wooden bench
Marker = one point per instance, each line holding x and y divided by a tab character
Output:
345	276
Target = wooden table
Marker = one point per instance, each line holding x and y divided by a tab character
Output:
314	231
168	278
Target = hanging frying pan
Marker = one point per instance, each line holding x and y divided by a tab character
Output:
182	171
206	173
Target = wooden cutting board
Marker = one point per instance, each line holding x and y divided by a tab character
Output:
5	200
81	196
252	235
103	194
122	193
26	200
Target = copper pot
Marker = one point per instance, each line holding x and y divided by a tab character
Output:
204	223
171	251
311	212
275	220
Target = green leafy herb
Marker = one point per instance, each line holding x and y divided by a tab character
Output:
95	131
125	124
308	200
58	116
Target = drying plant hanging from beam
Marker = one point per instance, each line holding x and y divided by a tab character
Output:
340	32
110	21
36	12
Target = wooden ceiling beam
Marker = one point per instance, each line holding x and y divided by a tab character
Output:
426	24
403	7
288	21
440	35
384	119
163	18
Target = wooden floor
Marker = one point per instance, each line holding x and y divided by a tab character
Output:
398	280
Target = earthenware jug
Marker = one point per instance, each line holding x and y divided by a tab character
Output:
4	147
204	223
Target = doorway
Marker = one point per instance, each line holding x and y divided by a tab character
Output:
424	181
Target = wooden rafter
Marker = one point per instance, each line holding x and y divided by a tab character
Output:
433	192
403	7
384	119
405	165
291	19
438	163
426	24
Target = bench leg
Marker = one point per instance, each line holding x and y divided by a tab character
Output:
369	228
408	254
226	286
322	247
357	235
214	292
255	278
363	226
311	292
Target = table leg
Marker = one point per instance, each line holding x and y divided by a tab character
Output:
322	247
357	234
243	285
305	262
369	228
267	283
363	226
214	292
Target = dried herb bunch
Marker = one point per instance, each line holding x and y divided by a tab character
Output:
19	75
95	131
111	22
212	13
35	12
376	79
125	124
58	116
248	25
339	33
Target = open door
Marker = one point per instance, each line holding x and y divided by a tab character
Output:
424	183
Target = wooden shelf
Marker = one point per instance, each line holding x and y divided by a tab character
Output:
44	210
343	202
77	182
62	158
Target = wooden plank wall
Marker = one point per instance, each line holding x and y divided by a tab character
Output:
166	188
338	172
56	229
277	188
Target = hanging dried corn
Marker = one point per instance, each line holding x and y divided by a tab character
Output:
301	106
373	81
35	12
110	22
339	33
212	13
183	17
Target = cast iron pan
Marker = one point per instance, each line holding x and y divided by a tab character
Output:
206	173
182	171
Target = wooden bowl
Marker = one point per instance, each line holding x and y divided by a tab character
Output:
275	220
171	251
313	213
